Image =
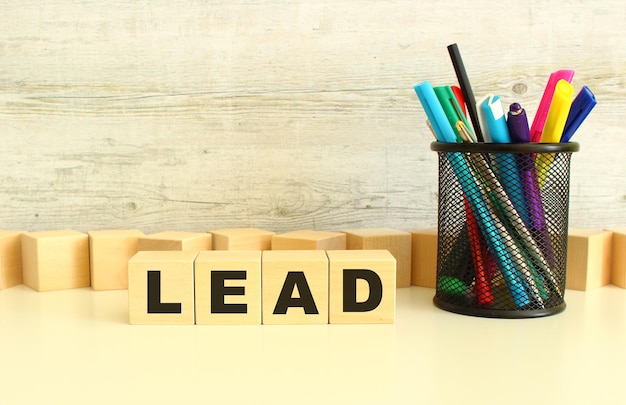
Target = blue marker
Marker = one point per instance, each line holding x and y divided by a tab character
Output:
581	107
434	112
494	121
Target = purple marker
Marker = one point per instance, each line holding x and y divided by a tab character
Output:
519	132
518	124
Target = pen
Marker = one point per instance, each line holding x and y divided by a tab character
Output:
544	105
464	83
581	107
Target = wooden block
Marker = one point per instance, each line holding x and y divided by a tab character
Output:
309	240
110	251
618	262
362	286
161	288
55	260
588	259
228	287
294	287
172	240
398	243
10	258
242	239
424	257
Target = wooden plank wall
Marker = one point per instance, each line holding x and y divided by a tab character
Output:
195	115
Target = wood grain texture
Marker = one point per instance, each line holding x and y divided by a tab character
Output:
277	114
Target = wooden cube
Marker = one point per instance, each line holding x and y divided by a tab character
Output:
55	260
294	287
172	240
618	262
110	251
424	257
228	287
10	258
242	239
161	288
396	242
362	286
588	259
309	240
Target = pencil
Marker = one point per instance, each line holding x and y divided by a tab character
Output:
466	88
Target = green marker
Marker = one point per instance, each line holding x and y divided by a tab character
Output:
452	109
451	285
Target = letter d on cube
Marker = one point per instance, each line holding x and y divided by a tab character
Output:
362	286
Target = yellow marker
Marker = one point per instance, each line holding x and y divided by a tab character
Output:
552	131
557	114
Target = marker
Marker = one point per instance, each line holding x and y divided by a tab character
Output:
494	122
436	116
517	122
466	88
555	123
544	105
581	107
482	286
559	110
451	108
536	220
458	93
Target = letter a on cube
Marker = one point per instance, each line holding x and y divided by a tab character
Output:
362	286
294	287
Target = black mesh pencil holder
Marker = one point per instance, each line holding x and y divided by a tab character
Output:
503	220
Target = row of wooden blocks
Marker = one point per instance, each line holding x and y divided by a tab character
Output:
269	287
52	260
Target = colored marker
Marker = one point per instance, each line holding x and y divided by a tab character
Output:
458	93
436	116
555	123
494	123
544	105
451	108
581	107
559	110
517	122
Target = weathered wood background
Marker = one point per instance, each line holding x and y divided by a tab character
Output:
195	115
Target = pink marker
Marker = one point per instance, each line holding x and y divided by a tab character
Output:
536	128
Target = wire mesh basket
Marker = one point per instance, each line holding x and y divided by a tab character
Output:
503	220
